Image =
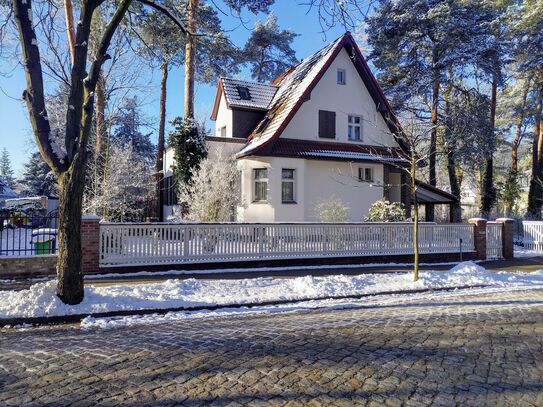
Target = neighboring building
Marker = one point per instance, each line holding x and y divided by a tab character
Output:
322	129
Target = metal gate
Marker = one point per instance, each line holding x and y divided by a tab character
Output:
494	243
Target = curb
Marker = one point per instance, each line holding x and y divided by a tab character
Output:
66	319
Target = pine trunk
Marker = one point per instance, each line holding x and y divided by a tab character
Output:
433	142
161	139
518	131
535	200
415	218
456	210
487	184
190	59
70	29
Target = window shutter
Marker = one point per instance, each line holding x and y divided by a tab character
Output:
327	124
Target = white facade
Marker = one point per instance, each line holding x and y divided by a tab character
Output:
350	99
223	123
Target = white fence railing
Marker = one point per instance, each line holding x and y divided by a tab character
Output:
163	243
494	242
532	235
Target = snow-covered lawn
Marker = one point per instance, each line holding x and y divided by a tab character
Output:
40	299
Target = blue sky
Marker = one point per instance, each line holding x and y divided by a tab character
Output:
15	132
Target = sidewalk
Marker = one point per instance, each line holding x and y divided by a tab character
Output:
523	264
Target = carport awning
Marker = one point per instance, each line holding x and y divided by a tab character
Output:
427	193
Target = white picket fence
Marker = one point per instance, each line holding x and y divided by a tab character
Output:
532	235
494	241
170	243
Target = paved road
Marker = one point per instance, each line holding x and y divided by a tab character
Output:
472	350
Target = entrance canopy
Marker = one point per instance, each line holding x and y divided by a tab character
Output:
428	194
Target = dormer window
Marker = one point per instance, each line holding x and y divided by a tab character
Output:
341	80
244	93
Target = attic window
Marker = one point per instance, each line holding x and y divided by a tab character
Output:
244	93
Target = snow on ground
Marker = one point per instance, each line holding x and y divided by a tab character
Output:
522	252
40	300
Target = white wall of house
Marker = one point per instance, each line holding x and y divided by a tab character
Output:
224	118
167	162
340	179
350	99
315	181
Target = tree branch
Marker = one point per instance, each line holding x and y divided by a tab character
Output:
34	93
168	14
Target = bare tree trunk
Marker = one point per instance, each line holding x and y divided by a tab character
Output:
535	200
190	59
433	141
161	139
487	184
70	276
70	30
415	217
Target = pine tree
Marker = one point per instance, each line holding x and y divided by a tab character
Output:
6	172
38	179
415	43
189	150
269	50
127	125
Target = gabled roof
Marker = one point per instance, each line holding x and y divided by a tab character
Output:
285	147
297	84
261	95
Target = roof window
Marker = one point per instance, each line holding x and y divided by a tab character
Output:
244	93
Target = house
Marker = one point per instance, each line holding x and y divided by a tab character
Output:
324	128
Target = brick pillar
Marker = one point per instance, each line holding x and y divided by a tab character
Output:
479	236
90	242
508	226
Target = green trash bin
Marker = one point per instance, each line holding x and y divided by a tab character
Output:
43	247
43	241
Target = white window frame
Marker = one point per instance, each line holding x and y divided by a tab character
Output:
351	124
222	131
343	79
290	181
362	174
264	180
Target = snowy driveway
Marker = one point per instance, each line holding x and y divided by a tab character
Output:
474	349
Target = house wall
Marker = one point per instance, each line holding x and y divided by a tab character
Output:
340	179
352	98
224	118
315	181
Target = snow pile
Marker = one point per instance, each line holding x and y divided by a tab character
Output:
40	300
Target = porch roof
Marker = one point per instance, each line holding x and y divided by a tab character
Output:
309	149
427	193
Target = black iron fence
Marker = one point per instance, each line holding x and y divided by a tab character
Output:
28	235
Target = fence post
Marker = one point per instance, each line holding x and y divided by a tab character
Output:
507	237
479	236
90	243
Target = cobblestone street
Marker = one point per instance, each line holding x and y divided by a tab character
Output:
470	350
